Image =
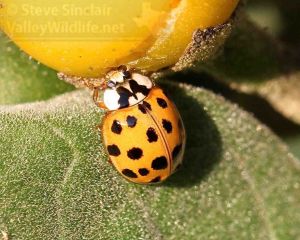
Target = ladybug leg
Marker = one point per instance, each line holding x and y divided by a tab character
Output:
110	161
98	127
95	94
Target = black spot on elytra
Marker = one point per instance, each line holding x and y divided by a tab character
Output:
152	135
162	102
156	180
124	94
113	150
147	105
159	163
131	121
137	88
135	153
167	125
129	173
176	151
116	127
142	109
143	171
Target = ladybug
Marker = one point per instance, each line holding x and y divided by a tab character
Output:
142	130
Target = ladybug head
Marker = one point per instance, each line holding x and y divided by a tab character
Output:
117	76
125	88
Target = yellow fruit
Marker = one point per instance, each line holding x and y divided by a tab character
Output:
86	38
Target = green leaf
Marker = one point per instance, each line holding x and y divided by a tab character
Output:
22	79
238	182
294	143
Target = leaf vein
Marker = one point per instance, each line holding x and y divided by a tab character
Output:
67	173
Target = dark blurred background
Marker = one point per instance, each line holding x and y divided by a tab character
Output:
281	18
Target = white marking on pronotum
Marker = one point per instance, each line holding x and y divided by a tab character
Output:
133	100
142	80
111	99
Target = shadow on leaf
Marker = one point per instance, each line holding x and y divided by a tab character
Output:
253	103
204	144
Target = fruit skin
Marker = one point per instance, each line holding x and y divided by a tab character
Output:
191	15
145	142
152	36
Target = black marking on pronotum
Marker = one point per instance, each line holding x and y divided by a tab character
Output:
152	135
143	171
156	180
137	88
129	173
135	153
159	163
162	102
167	125
113	150
124	94
116	127
131	121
